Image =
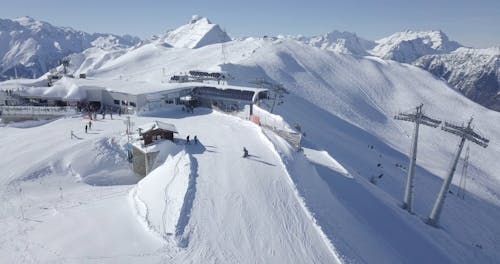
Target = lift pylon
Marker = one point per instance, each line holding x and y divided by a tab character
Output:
418	118
465	133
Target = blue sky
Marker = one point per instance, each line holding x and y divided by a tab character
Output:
472	23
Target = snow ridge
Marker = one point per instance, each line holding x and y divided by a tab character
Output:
160	198
340	42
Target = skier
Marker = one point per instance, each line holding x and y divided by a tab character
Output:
90	125
187	139
195	139
85	129
245	152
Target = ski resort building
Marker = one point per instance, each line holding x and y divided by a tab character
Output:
140	96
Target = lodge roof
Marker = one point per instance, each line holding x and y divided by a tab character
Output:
157	125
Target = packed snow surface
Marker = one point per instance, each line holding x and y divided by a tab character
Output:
207	202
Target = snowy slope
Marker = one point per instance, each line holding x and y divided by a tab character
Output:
474	72
234	210
362	94
32	47
409	45
339	200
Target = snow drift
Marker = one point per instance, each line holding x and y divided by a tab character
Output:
160	197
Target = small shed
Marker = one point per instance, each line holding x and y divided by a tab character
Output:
157	130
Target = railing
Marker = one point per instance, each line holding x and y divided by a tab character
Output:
37	110
270	121
292	137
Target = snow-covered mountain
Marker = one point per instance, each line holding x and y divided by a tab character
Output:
31	47
409	45
474	72
336	201
103	49
197	33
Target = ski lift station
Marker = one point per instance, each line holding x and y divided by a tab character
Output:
138	96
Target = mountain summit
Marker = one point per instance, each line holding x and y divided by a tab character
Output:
197	33
410	45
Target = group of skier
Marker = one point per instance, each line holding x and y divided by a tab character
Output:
195	139
88	126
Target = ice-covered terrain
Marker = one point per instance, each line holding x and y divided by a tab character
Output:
337	201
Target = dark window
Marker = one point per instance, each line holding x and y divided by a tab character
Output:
116	102
132	104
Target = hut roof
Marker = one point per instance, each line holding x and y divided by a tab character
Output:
157	125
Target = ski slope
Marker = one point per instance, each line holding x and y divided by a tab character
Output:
338	201
355	98
240	209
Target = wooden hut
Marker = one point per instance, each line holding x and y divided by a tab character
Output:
157	130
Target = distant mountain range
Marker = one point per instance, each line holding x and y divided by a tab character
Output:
473	72
29	48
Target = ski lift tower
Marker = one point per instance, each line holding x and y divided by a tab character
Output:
465	133
277	89
418	118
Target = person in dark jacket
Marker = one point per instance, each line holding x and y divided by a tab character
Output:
245	152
